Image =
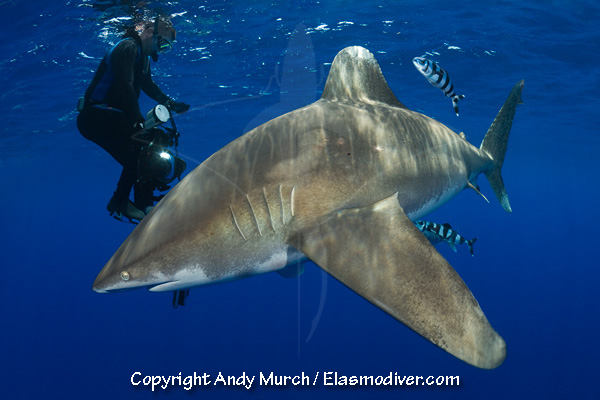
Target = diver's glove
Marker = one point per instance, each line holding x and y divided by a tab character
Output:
177	106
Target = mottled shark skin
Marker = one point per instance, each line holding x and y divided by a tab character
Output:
338	182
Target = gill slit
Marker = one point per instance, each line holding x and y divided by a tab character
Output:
236	223
253	215
292	200
281	204
268	209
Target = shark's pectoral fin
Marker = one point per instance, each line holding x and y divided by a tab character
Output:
379	253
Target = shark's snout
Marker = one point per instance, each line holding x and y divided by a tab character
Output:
114	278
100	283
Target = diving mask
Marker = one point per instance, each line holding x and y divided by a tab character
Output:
164	44
160	44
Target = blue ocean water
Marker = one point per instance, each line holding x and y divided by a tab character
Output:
240	64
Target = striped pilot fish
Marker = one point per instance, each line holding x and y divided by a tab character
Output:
437	233
438	78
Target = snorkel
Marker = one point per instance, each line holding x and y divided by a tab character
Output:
154	53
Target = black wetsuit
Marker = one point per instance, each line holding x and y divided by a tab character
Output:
111	114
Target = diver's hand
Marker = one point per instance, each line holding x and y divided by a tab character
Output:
177	106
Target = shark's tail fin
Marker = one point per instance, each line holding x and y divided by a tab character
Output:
495	141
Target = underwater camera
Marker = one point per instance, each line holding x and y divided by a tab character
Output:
158	163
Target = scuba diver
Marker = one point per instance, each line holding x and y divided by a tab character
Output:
110	117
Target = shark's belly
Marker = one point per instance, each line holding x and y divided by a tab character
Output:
419	210
419	198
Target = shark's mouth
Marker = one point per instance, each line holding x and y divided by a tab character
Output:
98	290
165	286
104	287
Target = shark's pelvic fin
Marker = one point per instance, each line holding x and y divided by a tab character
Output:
495	142
379	253
356	76
293	270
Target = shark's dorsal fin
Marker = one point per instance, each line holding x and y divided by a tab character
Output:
355	76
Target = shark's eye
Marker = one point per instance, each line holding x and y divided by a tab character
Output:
125	275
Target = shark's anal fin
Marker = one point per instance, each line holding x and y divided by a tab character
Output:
379	253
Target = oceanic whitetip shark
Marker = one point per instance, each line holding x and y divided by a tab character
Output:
338	182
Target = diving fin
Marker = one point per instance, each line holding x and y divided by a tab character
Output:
179	297
126	212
